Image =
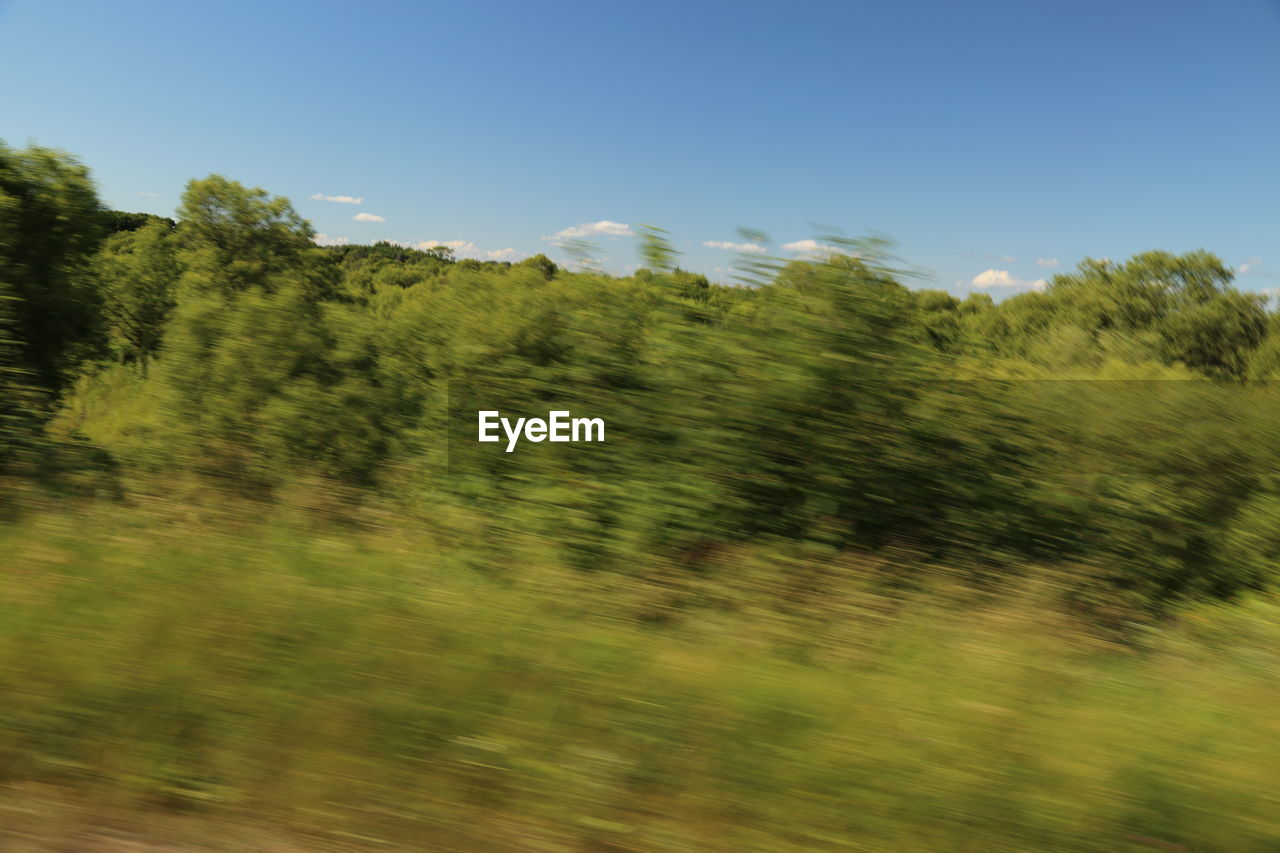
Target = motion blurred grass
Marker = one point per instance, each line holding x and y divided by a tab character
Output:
376	685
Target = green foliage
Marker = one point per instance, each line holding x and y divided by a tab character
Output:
828	404
50	224
247	352
21	404
137	272
119	221
1217	335
234	239
1175	309
542	264
825	404
656	249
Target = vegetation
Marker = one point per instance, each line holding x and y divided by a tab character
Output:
858	565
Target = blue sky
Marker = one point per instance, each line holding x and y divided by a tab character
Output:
991	140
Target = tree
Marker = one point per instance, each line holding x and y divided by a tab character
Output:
138	272
1217	335
21	405
233	238
116	221
50	225
542	264
246	352
440	253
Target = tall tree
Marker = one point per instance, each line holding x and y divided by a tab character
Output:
138	272
50	225
234	238
247	351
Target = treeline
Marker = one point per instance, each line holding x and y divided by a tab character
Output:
827	404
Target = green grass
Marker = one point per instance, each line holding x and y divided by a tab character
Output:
385	689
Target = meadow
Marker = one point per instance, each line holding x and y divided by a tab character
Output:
221	683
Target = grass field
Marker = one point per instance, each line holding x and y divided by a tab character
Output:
226	684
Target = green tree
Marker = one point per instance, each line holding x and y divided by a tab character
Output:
542	264
247	352
50	225
234	238
1216	335
116	221
137	273
21	405
1184	301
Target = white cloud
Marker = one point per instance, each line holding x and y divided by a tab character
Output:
150	195
502	255
368	217
1000	278
755	248
1250	265
813	247
326	240
604	227
993	278
1008	259
341	199
1046	262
